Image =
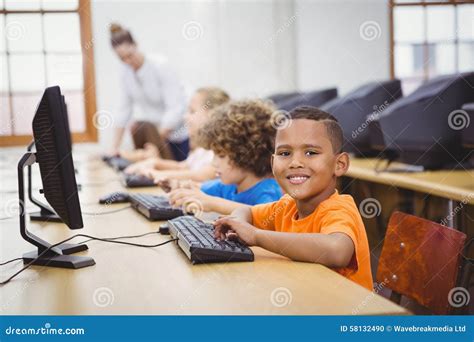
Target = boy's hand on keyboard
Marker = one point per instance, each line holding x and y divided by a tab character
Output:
231	228
191	197
165	184
140	167
147	172
169	184
187	184
153	174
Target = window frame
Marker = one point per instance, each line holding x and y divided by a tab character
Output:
392	5
87	51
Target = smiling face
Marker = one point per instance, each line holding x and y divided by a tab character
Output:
305	164
228	173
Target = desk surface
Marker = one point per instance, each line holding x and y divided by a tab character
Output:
456	185
133	280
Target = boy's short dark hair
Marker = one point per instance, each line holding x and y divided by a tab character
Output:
333	128
243	131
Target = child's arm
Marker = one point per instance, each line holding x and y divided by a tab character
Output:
149	151
243	214
332	250
168	164
145	166
203	174
180	197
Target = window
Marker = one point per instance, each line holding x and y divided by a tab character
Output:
45	43
430	38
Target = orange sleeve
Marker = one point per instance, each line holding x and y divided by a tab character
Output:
339	220
263	215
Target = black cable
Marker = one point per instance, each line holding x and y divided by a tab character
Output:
86	236
113	240
107	212
92	184
9	261
123	237
85	213
83	242
6	218
108	239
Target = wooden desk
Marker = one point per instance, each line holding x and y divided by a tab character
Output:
454	185
132	280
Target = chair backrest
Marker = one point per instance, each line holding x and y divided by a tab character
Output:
420	259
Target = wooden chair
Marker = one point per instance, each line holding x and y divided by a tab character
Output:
421	260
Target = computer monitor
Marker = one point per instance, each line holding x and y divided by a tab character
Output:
279	98
46	213
422	129
54	156
315	98
66	115
352	112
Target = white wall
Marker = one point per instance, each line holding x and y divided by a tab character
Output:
246	47
333	47
250	48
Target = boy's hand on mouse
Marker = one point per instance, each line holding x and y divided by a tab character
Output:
193	198
229	227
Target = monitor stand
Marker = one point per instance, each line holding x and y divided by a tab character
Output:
46	213
46	254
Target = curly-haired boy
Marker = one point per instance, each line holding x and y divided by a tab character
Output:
241	136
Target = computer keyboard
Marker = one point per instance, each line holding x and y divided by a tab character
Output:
116	163
196	239
154	207
137	181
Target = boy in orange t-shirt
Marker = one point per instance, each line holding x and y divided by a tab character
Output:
313	222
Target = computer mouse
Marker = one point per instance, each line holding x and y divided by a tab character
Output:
114	197
164	229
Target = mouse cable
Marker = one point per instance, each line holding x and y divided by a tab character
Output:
9	261
122	237
85	241
85	236
106	212
100	183
7	217
98	213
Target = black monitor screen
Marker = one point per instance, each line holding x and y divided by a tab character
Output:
53	154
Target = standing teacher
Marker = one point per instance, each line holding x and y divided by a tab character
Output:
152	101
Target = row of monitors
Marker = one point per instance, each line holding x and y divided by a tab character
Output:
431	127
